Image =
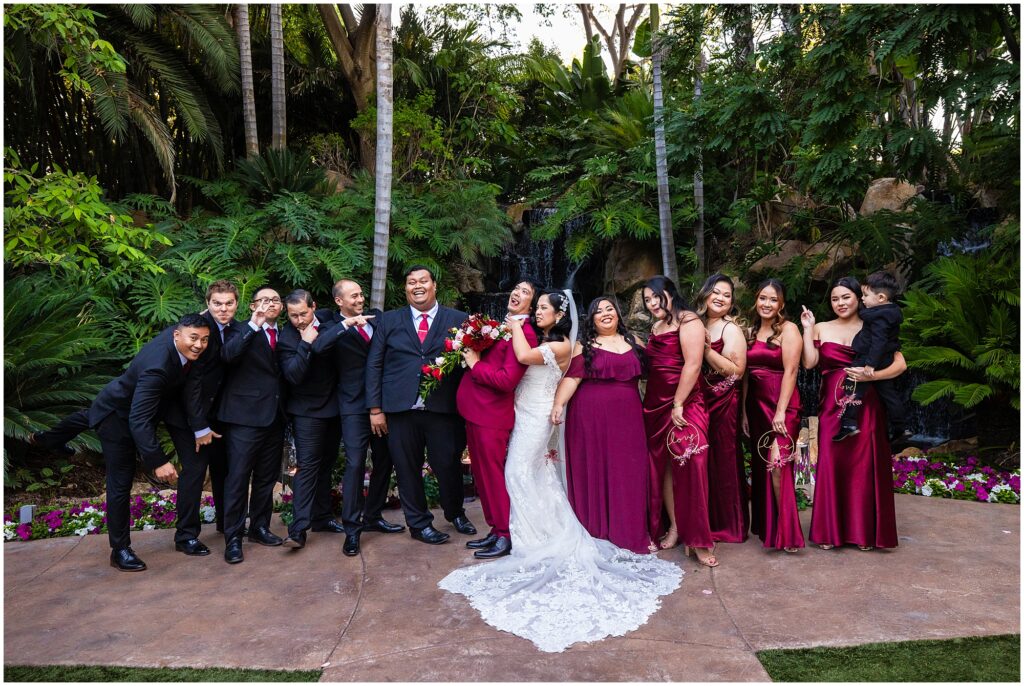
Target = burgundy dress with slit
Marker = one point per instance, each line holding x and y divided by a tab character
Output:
853	498
606	462
728	492
689	480
775	521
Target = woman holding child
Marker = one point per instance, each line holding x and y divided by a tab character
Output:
853	496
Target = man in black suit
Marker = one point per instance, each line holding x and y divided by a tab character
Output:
125	415
406	339
350	340
251	413
193	426
313	411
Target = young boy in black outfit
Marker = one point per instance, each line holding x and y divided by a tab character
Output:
875	345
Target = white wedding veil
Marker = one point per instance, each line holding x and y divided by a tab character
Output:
560	429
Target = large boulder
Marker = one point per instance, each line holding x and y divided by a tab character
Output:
888	194
467	279
629	264
838	259
785	204
338	180
769	264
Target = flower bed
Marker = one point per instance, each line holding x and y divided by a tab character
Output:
932	476
147	511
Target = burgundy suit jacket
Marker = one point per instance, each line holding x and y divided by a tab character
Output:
486	395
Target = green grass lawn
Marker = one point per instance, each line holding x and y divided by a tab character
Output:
90	673
979	658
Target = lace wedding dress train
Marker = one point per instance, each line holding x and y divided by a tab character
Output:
559	586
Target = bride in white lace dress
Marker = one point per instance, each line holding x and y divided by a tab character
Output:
559	586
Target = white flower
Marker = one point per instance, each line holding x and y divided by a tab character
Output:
493	334
439	360
926	490
148	527
208	513
9	530
457	344
82	532
486	329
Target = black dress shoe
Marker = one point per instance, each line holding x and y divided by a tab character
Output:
332	526
126	560
464	526
192	546
501	547
382	525
482	543
233	551
264	536
428	534
37	439
297	541
845	432
351	545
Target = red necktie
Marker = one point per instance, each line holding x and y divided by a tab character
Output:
272	332
366	336
424	328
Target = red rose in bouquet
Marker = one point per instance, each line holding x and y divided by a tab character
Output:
477	333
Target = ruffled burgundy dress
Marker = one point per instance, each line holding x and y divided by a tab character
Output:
606	464
689	480
853	498
777	525
727	479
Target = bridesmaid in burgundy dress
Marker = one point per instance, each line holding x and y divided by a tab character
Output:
725	360
771	418
674	399
853	499
606	462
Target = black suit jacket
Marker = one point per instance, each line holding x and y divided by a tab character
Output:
252	393
879	338
311	376
396	357
350	351
140	396
198	402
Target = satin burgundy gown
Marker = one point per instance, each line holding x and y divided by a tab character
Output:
777	525
853	499
690	480
606	463
727	479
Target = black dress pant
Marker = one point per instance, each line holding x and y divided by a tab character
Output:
253	454
355	429
316	451
66	430
887	391
443	435
194	464
119	454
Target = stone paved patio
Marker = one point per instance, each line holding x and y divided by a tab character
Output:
381	617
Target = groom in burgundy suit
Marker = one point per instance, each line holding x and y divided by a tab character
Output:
486	399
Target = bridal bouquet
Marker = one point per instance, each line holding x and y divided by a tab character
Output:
477	333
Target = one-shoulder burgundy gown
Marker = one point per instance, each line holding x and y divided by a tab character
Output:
689	480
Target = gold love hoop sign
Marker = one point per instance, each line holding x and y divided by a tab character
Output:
785	455
683	442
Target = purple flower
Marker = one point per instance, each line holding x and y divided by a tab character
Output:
24	531
1014	482
972	460
959	487
8	518
981	493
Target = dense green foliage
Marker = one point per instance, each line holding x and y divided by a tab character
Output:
126	180
978	658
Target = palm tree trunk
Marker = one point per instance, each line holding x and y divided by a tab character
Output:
278	140
668	244
382	204
698	177
252	141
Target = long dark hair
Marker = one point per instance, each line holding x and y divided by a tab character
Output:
701	301
588	333
664	290
755	317
560	331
